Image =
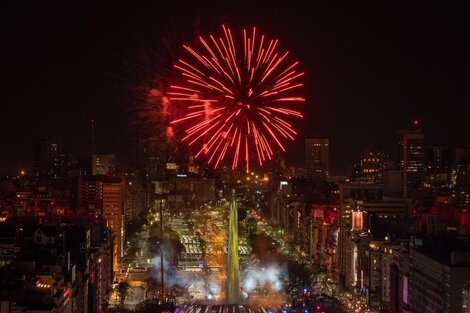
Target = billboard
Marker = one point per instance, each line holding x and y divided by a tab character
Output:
357	220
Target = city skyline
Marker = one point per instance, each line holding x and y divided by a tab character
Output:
207	156
69	64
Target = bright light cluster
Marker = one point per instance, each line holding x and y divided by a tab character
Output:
271	277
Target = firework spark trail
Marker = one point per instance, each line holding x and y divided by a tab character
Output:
238	100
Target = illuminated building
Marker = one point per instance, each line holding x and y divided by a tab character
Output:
466	298
463	175
321	238
344	242
349	275
190	191
156	157
90	196
357	220
47	157
412	158
399	277
114	191
103	164
136	199
192	166
461	191
438	164
61	267
373	162
438	159
317	159
363	209
100	267
104	197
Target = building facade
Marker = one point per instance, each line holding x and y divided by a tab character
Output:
412	157
103	164
317	158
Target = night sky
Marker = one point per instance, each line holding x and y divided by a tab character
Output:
371	68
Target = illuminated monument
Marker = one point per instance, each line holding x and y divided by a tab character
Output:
233	261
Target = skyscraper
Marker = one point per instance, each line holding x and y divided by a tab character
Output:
114	193
438	159
412	158
103	164
317	163
104	197
437	167
47	157
90	196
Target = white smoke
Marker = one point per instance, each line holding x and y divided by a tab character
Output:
208	286
170	276
264	277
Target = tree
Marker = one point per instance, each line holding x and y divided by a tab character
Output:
123	290
154	230
134	227
131	252
261	245
251	225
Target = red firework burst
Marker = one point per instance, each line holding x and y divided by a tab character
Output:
239	98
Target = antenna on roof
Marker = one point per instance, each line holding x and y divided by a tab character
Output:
92	137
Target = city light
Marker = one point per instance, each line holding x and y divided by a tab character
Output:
199	169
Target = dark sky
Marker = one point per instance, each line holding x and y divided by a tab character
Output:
370	68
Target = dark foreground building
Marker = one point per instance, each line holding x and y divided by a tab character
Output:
58	267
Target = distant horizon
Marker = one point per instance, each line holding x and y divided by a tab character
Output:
124	160
370	69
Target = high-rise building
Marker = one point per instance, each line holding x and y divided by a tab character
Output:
438	272
90	196
47	154
438	166
412	158
373	162
114	194
103	164
317	160
438	159
136	199
155	158
100	267
104	197
187	190
461	155
462	174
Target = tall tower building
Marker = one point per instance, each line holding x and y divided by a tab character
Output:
114	197
438	163
412	156
155	159
438	159
47	157
90	196
104	197
103	164
317	160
